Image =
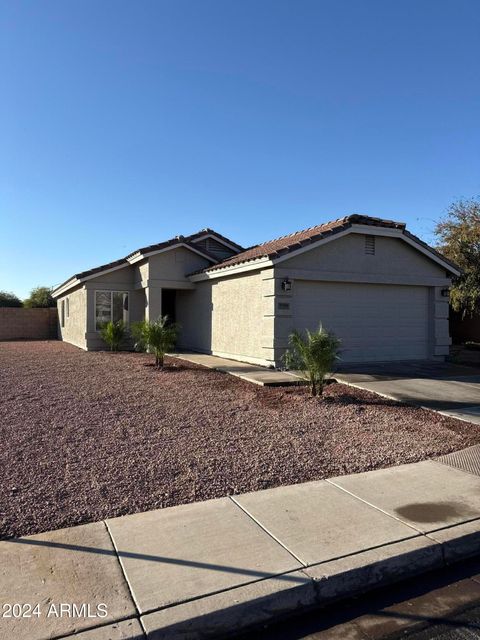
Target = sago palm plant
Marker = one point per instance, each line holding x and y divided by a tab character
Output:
314	354
113	333
157	336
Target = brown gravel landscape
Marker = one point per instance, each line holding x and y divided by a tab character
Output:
87	436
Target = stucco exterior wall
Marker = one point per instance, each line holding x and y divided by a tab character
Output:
194	314
169	268
346	255
230	317
76	322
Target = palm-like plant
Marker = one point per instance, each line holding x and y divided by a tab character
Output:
157	336
113	333
314	354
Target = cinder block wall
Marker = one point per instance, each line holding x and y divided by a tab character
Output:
28	324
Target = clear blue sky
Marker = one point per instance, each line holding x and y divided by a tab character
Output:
124	123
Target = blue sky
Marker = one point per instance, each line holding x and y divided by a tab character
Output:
125	123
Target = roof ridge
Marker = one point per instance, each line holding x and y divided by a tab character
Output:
284	244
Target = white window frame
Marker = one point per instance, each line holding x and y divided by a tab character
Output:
111	292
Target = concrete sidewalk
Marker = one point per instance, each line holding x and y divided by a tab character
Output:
206	569
249	372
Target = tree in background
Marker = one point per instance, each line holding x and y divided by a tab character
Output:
9	299
459	241
40	297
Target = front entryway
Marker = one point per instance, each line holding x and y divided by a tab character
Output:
169	297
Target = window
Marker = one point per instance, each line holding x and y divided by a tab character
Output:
62	313
110	306
370	245
67	306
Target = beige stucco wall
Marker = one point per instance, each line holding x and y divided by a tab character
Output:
76	323
169	268
346	255
230	317
194	315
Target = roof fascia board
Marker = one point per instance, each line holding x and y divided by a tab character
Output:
73	282
76	281
260	263
446	265
141	256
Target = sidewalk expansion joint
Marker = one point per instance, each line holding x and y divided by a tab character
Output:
259	524
407	524
117	554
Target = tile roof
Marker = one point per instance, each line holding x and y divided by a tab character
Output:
285	244
187	240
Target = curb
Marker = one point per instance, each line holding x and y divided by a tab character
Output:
246	609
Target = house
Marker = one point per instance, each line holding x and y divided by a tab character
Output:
379	288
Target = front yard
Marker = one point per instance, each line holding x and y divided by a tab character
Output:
87	436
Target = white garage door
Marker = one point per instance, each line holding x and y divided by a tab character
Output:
374	322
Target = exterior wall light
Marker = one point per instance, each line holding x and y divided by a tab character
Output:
445	292
286	285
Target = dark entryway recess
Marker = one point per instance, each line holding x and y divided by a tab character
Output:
168	304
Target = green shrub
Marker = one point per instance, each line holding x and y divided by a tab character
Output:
157	336
113	333
314	354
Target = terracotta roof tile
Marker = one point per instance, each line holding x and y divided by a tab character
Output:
293	241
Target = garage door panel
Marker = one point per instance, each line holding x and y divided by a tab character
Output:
374	322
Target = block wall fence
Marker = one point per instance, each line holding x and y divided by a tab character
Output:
28	324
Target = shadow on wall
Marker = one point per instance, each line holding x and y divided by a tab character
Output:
194	312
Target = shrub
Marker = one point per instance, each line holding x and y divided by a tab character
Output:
314	354
157	336
113	333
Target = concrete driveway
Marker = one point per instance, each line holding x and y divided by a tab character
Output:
450	389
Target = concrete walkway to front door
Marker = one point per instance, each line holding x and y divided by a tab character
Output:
249	372
450	389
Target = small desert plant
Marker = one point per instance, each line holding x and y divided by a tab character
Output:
157	336
314	354
113	333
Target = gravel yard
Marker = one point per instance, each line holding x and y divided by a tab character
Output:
87	436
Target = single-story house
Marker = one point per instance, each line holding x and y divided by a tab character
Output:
379	288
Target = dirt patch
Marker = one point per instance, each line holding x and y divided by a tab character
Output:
87	436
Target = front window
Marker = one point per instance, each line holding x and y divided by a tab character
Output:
110	306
